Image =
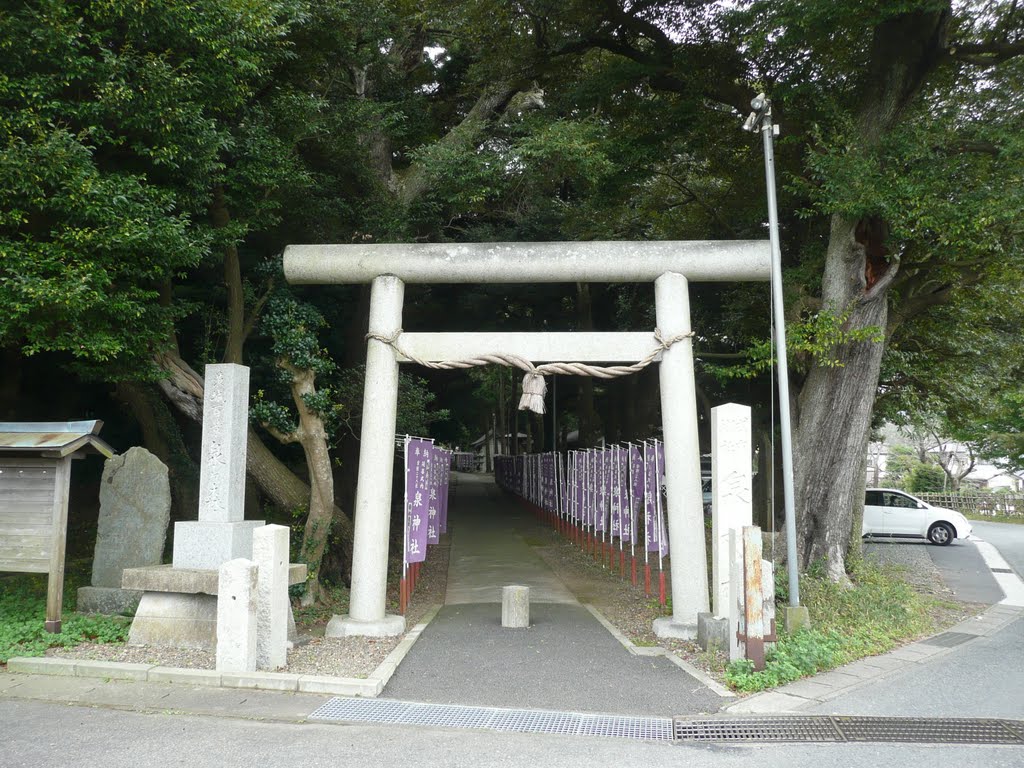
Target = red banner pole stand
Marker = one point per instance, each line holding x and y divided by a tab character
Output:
634	570
647	578
661	587
622	563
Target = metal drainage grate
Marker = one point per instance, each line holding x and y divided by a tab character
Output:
949	639
1001	570
831	729
927	730
761	729
492	718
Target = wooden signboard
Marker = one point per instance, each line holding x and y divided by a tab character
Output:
35	476
33	523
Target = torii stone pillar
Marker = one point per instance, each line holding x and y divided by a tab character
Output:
669	265
367	598
682	462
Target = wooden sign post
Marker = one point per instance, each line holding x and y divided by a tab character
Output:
35	478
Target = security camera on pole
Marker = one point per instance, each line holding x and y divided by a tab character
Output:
761	119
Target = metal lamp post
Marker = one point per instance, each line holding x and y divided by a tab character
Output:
761	119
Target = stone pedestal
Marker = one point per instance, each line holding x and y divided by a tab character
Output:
712	632
667	627
179	606
345	626
175	620
515	607
202	544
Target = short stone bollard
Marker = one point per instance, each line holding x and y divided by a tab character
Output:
236	616
515	606
270	552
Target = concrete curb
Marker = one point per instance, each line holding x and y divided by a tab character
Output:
657	650
387	668
810	691
369	687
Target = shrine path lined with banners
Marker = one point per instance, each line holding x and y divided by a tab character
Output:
566	660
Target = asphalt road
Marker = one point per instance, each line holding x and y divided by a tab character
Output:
61	736
965	572
1007	538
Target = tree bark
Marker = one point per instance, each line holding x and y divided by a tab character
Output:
833	416
321	518
835	404
220	218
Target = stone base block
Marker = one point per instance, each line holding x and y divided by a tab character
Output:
345	626
797	617
108	600
199	544
667	627
712	633
173	620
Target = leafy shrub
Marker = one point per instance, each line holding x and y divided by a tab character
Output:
23	610
874	615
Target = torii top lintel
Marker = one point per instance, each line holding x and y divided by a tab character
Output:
619	261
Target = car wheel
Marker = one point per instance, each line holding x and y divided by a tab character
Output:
941	534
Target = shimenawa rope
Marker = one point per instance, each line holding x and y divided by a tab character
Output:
534	385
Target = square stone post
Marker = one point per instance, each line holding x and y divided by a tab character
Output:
236	616
270	552
373	487
682	463
731	491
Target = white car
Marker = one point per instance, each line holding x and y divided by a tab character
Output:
892	513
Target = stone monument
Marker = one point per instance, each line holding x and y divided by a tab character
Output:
179	606
222	533
731	492
135	508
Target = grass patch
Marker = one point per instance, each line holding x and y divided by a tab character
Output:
23	610
879	612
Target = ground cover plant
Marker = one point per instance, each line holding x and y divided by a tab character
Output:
23	611
876	613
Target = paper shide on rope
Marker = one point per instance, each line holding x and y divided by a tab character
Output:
534	384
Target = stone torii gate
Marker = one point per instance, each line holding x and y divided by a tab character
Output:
670	265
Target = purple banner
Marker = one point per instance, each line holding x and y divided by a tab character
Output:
620	521
434	499
636	484
418	461
446	477
658	541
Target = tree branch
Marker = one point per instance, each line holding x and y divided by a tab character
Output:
257	308
281	437
986	54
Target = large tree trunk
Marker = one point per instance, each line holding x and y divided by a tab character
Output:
834	406
834	413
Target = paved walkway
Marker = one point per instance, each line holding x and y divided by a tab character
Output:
566	660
